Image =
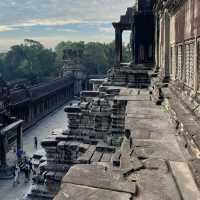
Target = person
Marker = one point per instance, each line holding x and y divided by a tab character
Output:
127	133
128	136
131	142
30	164
16	172
27	174
150	95
35	142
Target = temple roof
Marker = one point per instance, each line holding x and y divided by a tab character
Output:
37	92
126	20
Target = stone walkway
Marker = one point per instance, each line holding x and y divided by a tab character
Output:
157	144
56	120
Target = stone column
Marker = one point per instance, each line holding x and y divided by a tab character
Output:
156	40
133	39
160	47
196	66
3	150
19	137
166	47
118	45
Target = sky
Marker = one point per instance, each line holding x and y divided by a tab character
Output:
52	21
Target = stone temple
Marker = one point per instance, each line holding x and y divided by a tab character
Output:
136	73
155	97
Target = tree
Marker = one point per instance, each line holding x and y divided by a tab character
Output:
32	60
29	60
97	57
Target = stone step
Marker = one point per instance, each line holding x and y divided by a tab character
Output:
184	180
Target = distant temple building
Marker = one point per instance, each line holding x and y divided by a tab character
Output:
135	73
142	36
73	67
10	131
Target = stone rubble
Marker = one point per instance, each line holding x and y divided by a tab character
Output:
96	128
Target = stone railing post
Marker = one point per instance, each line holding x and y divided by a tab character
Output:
118	45
19	137
3	150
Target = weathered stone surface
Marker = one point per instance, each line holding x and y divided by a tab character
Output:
106	157
131	75
98	177
155	185
184	121
156	164
86	157
96	156
184	180
157	149
136	163
194	165
78	192
133	165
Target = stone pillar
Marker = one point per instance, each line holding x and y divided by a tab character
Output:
3	150
160	47
77	87
196	66
19	137
166	47
118	45
75	91
156	40
86	85
133	39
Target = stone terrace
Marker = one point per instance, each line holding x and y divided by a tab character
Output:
156	167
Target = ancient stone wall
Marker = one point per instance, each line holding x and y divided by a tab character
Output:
32	104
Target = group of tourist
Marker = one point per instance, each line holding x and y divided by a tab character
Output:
24	165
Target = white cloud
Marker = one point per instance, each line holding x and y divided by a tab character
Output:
38	22
47	22
106	29
6	28
67	30
57	19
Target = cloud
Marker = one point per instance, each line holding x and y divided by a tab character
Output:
6	28
31	11
61	19
106	29
47	22
68	30
38	22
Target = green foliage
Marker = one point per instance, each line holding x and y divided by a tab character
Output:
29	60
32	60
97	57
